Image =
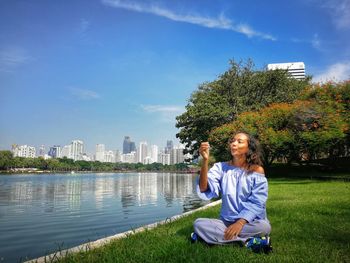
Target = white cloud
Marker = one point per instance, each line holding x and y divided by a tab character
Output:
84	26
167	113
221	22
249	32
162	108
11	58
315	42
335	72
339	11
84	94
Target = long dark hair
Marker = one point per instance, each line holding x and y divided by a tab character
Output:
254	155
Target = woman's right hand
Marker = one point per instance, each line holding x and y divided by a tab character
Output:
204	150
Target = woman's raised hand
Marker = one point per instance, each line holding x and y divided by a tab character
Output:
204	150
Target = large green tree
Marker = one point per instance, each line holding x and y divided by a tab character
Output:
241	88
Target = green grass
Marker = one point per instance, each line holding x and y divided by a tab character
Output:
310	223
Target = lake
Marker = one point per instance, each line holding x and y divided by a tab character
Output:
40	213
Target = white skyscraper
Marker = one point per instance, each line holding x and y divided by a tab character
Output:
164	158
100	152
177	155
180	158
173	156
295	69
142	152
109	157
154	154
66	151
77	148
118	158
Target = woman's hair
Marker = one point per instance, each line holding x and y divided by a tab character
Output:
254	155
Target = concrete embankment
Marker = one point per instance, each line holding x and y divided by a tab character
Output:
103	241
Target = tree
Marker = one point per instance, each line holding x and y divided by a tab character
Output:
305	130
239	89
6	159
53	164
269	125
83	165
336	96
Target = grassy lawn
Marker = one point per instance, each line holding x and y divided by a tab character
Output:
310	223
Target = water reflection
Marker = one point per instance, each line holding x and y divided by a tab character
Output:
132	189
45	210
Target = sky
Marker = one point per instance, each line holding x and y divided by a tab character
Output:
99	70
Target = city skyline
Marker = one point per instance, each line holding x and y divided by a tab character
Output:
162	147
145	153
102	69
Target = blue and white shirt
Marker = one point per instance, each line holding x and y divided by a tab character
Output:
243	194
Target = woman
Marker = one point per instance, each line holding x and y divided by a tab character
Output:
243	188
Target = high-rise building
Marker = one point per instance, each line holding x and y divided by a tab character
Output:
164	158
169	146
42	151
100	153
118	158
77	149
128	145
142	152
23	151
177	155
295	69
55	151
132	147
109	157
154	154
66	151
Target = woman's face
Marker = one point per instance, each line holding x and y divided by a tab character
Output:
239	144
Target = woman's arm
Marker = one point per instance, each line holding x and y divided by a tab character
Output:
203	178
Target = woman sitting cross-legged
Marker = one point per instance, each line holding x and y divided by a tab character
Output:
243	188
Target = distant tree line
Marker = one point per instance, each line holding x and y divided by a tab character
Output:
8	162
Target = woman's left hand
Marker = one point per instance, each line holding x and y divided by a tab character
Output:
233	231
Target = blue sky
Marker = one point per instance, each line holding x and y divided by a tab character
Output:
98	70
